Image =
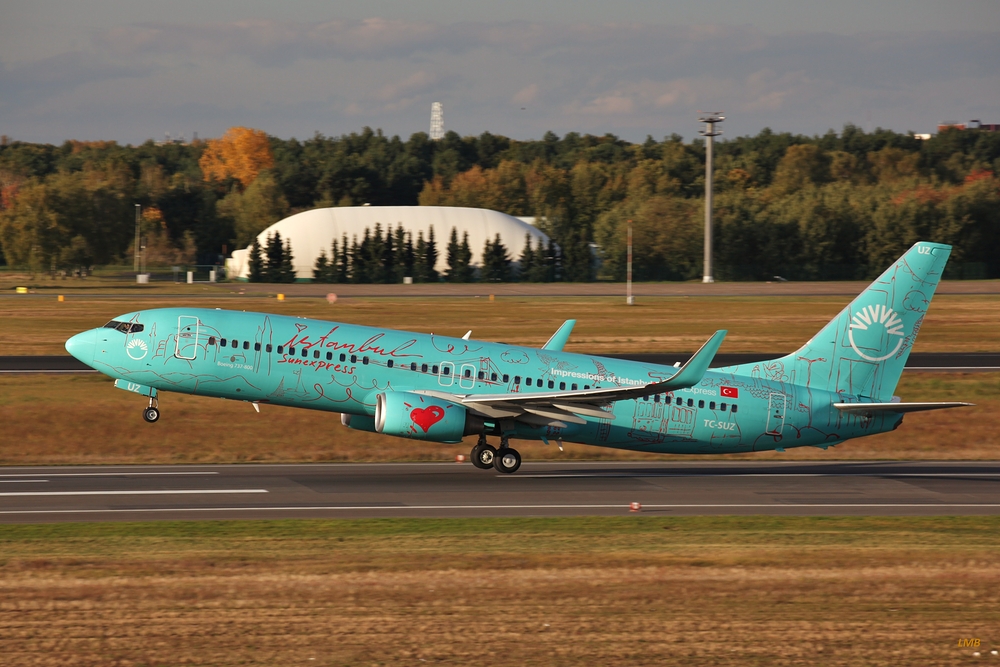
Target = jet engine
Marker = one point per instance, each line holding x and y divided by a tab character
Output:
358	422
409	415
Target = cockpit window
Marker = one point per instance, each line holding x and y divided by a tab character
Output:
124	327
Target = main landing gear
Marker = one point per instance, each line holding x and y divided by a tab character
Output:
152	413
505	460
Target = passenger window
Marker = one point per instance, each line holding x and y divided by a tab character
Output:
722	406
222	342
413	366
711	406
586	386
493	377
256	347
211	340
280	347
389	364
517	379
562	386
354	358
445	371
291	351
527	381
423	368
506	378
364	360
329	356
434	369
468	373
656	398
482	375
316	354
236	343
573	386
268	348
305	352
734	407
246	345
701	404
552	385
343	357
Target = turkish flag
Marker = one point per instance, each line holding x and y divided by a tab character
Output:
729	392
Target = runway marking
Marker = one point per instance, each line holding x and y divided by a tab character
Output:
157	492
110	474
496	507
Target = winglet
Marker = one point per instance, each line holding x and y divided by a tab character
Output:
693	371
559	338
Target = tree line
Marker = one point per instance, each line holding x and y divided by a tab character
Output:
394	256
840	205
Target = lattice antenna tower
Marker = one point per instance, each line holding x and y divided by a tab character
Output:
437	121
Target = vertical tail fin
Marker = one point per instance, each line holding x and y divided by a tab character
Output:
863	350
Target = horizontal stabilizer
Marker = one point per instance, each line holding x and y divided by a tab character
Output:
897	407
559	338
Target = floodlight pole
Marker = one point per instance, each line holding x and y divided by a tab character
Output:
710	120
629	299
138	213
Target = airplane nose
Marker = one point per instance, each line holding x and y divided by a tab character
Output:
82	346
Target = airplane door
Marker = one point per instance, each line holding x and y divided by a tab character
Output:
467	380
186	343
776	414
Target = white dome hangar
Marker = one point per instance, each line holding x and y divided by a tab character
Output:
313	231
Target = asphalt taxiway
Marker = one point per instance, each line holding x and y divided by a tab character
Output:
141	493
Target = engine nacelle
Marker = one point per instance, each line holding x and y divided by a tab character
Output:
358	422
409	415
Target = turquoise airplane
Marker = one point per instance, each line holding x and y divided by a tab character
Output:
838	386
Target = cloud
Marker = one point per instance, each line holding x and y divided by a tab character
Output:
526	95
295	77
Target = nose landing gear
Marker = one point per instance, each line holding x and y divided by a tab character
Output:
152	413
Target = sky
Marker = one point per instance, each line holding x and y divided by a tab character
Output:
132	70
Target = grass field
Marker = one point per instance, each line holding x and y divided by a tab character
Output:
597	591
955	323
83	419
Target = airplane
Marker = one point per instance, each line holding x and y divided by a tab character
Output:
837	386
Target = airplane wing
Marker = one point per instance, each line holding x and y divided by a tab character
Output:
558	340
896	407
557	408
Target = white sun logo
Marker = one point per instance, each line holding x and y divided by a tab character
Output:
869	317
136	349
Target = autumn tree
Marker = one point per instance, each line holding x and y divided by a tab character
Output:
242	153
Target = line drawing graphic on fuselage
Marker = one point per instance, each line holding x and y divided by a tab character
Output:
837	386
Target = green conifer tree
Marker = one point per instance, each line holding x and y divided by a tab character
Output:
287	266
256	262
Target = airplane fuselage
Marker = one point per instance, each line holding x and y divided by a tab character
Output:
323	365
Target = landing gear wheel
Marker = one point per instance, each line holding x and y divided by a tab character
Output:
482	456
151	414
507	460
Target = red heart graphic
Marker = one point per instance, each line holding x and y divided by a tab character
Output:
425	418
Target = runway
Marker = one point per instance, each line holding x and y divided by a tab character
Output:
144	493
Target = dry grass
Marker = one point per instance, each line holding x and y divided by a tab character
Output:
629	591
956	323
82	419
